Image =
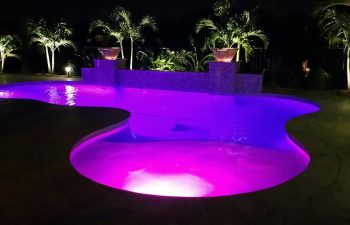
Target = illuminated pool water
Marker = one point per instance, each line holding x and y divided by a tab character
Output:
180	143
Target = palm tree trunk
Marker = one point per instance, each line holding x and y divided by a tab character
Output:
348	67
2	64
48	59
238	52
122	49
131	52
52	60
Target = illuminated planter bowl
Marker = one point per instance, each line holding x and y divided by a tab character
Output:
224	54
109	53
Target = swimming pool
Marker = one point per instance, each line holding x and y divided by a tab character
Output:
182	143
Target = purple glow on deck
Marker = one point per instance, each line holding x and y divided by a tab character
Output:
181	143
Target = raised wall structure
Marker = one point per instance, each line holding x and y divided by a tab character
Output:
222	78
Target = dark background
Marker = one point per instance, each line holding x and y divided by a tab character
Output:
284	20
289	25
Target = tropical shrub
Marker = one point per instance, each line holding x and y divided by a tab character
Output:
198	58
166	60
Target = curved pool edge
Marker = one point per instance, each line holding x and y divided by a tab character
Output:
98	134
115	128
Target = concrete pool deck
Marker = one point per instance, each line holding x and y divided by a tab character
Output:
39	186
12	78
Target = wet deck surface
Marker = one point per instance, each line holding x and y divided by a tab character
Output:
13	78
39	186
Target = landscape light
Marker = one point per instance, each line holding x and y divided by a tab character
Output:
68	70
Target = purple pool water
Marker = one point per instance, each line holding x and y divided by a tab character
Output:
180	143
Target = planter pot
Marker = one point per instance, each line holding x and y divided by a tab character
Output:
109	53
224	54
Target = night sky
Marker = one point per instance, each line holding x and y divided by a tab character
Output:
79	10
176	18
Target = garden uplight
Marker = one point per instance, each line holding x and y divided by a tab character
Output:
68	70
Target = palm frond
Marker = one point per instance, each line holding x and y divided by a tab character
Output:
13	55
248	50
64	43
99	24
259	35
328	4
125	16
205	24
149	21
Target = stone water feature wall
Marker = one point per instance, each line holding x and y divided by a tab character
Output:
222	78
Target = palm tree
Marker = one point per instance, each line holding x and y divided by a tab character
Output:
240	30
343	36
245	32
113	28
52	38
336	29
8	44
133	30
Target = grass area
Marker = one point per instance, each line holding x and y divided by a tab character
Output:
39	186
